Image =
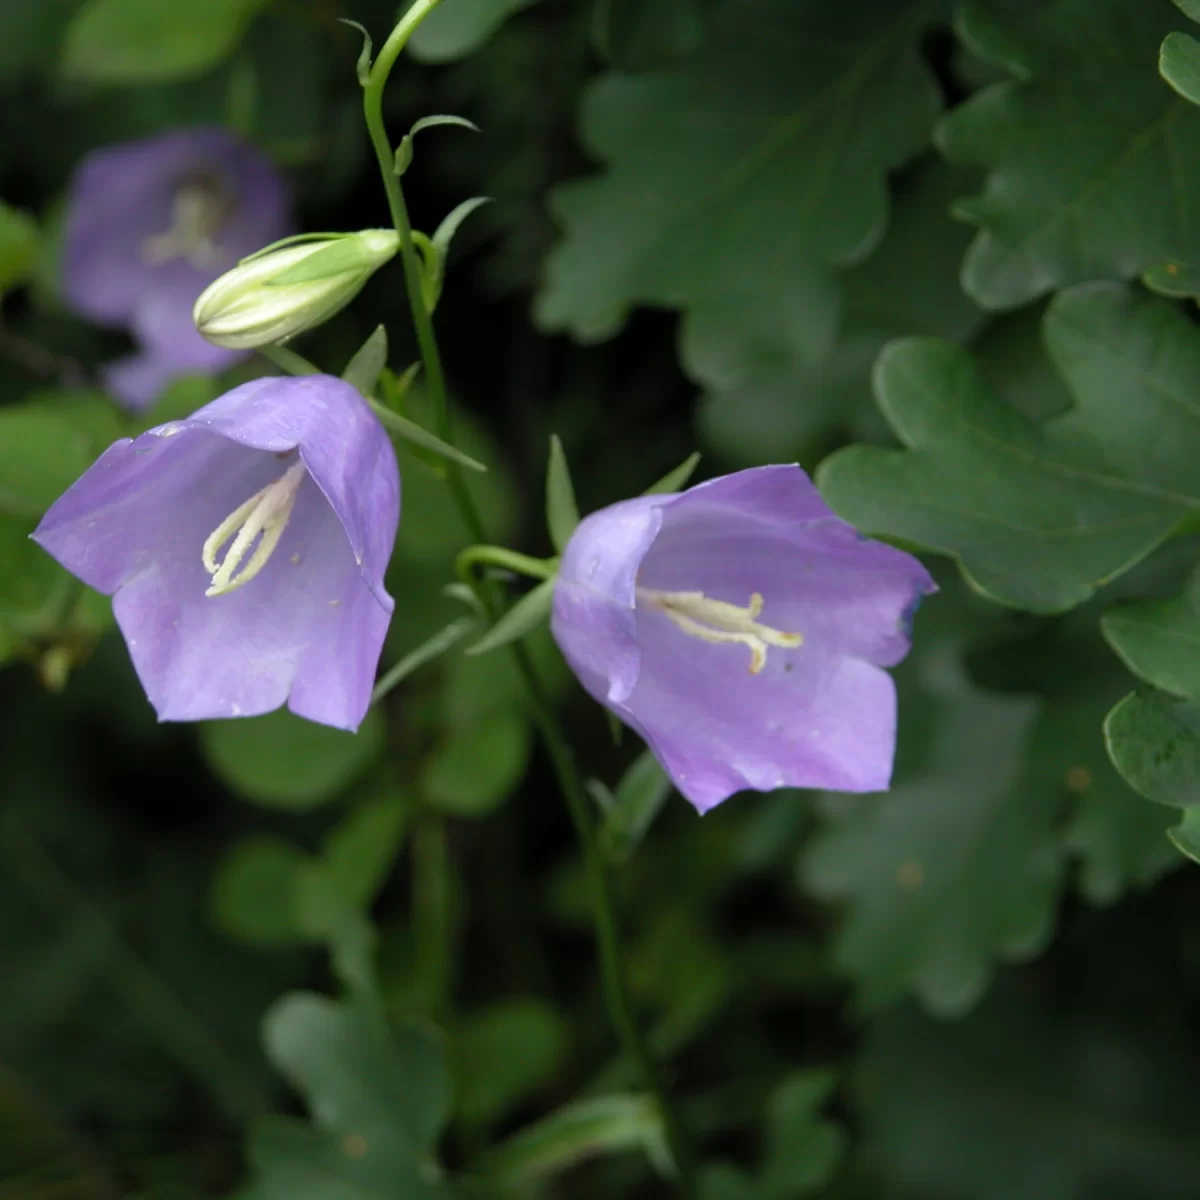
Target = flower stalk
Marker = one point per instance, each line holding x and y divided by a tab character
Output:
553	736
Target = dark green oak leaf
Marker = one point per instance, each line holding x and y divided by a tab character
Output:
960	863
1038	516
378	1100
1094	1111
737	180
1094	164
772	403
1154	735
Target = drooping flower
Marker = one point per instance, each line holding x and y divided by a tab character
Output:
150	224
275	295
244	549
741	629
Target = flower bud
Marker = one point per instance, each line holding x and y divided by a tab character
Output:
282	291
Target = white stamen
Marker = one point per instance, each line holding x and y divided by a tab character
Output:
198	212
720	623
266	513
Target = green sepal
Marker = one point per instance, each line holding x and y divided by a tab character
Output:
525	616
345	256
364	369
562	513
674	481
639	798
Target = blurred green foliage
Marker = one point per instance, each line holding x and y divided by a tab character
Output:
265	959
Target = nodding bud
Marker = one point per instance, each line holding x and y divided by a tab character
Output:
290	287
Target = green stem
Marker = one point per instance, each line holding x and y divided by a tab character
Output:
422	321
509	560
181	1035
552	734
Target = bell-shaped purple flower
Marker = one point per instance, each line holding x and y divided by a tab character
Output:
245	549
741	628
149	225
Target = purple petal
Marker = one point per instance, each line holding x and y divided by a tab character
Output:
309	628
818	714
810	720
124	195
593	618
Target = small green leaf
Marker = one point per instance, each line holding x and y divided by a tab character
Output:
1154	741
362	68
521	619
1159	640
432	648
364	369
562	513
46	443
803	1148
1186	835
147	41
255	892
639	798
579	1131
20	243
676	480
360	851
1179	65
283	761
445	232
410	431
1174	279
504	1055
478	765
432	122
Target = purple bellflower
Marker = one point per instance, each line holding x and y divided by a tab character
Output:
244	549
741	629
149	225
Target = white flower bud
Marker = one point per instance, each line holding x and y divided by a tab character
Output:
278	293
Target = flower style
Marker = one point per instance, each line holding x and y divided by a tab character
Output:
149	224
245	549
740	628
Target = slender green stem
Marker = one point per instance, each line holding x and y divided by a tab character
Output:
422	321
551	732
509	560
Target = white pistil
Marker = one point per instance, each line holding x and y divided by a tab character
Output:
266	513
720	623
198	212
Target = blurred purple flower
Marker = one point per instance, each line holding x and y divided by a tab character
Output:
149	225
740	628
245	550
